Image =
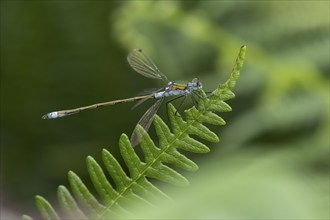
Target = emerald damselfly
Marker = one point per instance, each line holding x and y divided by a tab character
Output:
142	64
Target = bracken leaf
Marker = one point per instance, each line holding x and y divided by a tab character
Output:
159	160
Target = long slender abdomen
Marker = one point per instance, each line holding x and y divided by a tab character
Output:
62	113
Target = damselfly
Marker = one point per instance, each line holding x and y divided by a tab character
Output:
142	64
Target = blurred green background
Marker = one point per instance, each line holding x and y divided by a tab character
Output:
273	158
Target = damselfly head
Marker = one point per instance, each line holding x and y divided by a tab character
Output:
196	83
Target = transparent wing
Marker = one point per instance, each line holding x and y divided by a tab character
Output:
145	122
146	91
142	64
138	103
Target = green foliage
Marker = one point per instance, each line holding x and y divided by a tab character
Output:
136	188
273	154
277	144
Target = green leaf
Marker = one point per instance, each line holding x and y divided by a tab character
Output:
159	161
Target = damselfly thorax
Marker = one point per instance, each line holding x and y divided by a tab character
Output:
173	89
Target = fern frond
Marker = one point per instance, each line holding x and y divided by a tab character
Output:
136	188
